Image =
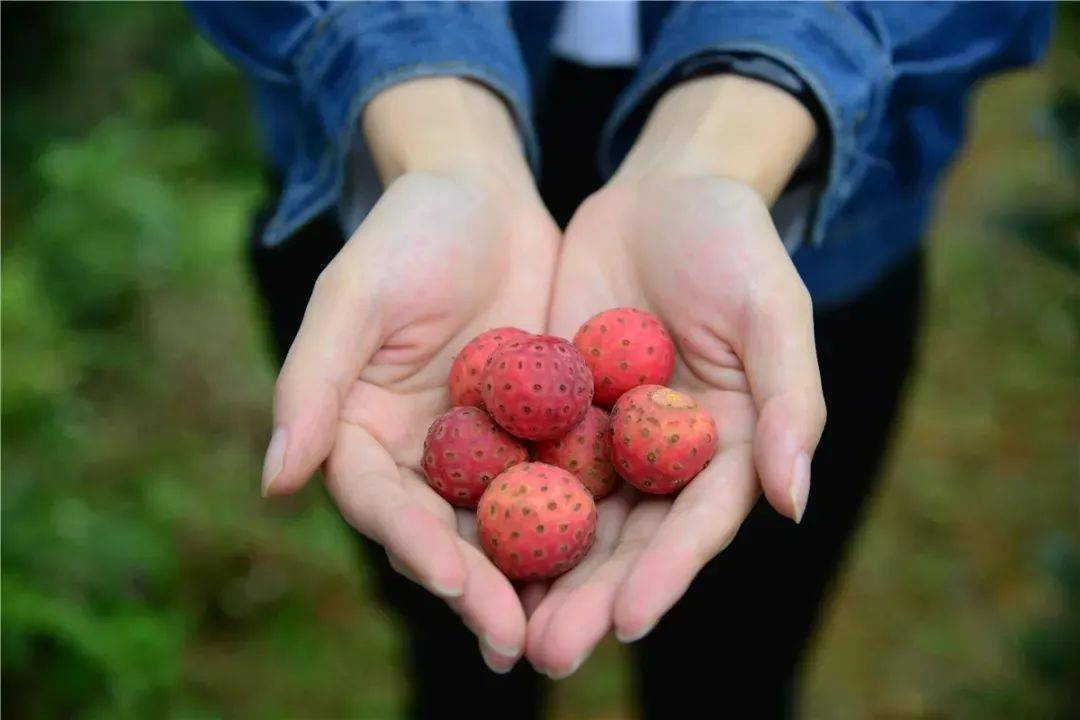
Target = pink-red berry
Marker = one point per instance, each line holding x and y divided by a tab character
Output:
660	438
585	451
463	451
537	387
468	367
624	348
536	521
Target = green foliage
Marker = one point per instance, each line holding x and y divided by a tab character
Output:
104	214
1048	223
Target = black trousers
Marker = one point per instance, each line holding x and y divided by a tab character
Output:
732	646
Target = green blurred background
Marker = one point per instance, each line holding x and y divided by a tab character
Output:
143	577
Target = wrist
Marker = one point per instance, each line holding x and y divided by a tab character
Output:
727	126
444	125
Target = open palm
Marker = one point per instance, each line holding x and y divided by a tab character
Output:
703	255
438	260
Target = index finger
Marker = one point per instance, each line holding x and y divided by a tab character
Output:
782	368
337	337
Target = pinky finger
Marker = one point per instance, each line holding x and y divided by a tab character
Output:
366	486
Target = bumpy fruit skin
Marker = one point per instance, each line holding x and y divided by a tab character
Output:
468	367
585	452
463	451
660	438
536	521
624	348
537	387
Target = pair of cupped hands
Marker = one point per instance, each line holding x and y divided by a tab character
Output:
460	242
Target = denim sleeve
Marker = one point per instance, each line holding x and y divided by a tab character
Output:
339	55
362	48
853	57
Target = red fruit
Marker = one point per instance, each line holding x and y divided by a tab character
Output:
585	451
536	521
537	387
660	438
624	348
468	366
463	451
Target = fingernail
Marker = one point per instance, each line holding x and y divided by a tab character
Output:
275	459
500	649
568	672
633	637
446	591
799	490
495	661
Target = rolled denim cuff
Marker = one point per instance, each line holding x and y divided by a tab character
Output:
360	49
832	53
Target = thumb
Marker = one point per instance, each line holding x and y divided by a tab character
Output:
782	368
337	337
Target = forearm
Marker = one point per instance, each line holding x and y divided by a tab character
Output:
444	124
724	125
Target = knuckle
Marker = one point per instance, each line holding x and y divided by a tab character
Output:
810	408
784	298
282	386
704	551
797	299
333	280
822	412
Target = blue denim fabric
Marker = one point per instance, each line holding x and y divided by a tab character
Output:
890	82
315	65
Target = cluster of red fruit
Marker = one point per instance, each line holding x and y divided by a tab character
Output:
538	519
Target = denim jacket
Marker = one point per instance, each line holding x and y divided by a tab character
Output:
889	82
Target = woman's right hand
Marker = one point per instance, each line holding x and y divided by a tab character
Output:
458	243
